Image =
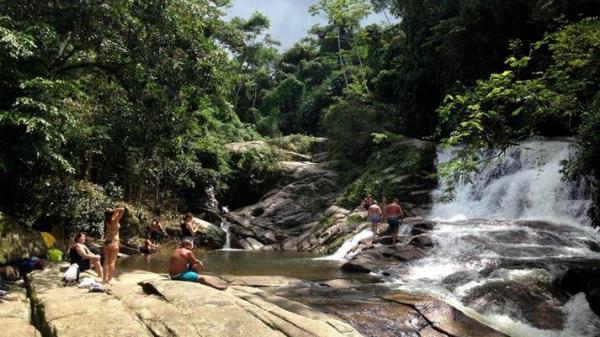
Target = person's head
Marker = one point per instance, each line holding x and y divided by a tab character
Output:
108	214
187	242
188	216
395	200
79	238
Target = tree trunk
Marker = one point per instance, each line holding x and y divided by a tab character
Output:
341	57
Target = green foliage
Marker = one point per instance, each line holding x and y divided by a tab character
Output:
295	143
506	108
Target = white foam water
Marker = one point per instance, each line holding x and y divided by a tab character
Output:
523	183
342	252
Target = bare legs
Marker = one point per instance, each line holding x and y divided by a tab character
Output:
394	236
110	260
97	266
374	229
210	284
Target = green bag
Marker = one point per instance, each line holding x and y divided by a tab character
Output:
55	255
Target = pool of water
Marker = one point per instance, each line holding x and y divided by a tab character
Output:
300	265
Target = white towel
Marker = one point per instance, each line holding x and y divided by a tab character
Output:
71	273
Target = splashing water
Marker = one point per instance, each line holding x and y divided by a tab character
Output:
499	269
342	252
524	183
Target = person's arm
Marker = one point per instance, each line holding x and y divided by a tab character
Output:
190	227
84	252
195	262
117	214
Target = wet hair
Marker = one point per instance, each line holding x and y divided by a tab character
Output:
108	213
188	215
78	236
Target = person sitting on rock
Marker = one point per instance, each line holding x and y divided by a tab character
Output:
80	254
374	215
183	265
149	247
394	216
187	226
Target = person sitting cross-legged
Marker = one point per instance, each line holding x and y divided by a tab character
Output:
183	265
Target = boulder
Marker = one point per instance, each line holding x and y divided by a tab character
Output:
17	241
380	257
338	284
208	235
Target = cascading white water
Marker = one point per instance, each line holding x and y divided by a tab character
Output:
226	226
342	252
474	262
524	183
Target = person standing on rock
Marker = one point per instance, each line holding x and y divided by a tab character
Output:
394	215
374	215
183	265
111	243
187	226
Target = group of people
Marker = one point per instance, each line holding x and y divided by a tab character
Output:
391	213
183	264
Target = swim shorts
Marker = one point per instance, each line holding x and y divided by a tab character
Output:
187	275
394	223
375	218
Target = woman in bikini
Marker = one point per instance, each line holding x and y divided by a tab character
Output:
111	245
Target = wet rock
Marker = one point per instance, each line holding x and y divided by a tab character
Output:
581	279
378	257
536	303
338	284
442	319
422	240
17	241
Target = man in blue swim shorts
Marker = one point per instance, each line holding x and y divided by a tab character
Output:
183	265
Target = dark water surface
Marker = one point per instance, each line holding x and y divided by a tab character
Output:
300	265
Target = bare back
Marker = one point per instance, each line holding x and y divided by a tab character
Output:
394	211
179	260
374	210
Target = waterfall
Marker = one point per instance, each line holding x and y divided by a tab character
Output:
226	226
523	183
342	252
503	240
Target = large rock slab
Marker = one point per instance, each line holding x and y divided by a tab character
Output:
147	304
17	241
15	315
70	311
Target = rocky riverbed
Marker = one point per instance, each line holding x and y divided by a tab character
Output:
148	304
